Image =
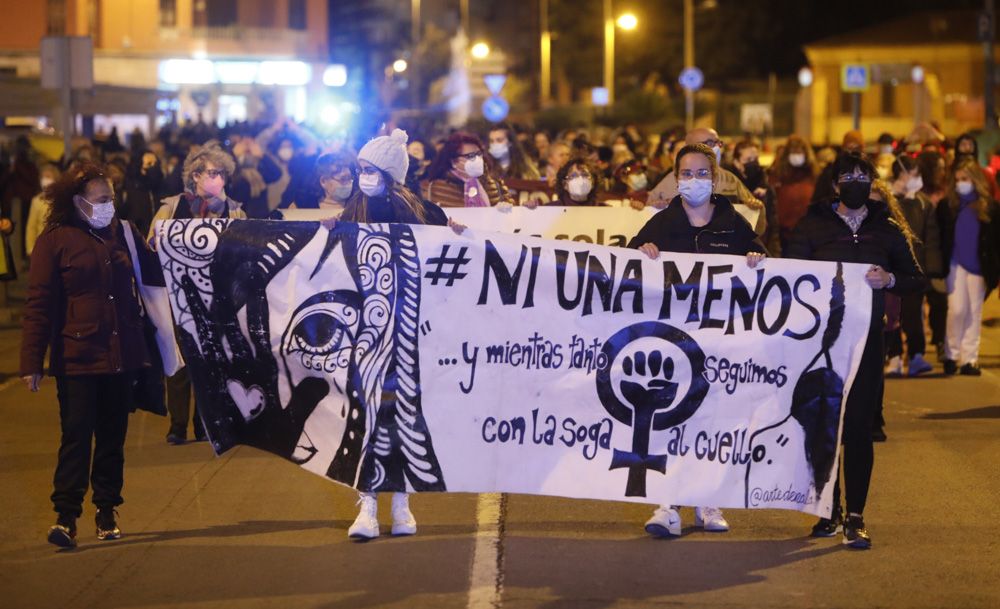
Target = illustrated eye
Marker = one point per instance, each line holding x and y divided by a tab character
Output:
322	329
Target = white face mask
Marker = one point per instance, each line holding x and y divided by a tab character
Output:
46	182
100	213
475	167
285	154
718	154
965	188
914	185
695	192
370	184
797	159
638	181
885	149
499	150
579	187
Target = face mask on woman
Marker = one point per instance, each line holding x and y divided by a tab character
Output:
914	185
579	187
696	191
285	154
796	159
855	194
475	167
499	150
100	213
965	188
638	181
370	184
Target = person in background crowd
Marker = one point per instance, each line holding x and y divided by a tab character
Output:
793	178
511	162
921	218
254	172
143	183
40	206
206	173
968	146
559	155
887	145
934	177
623	149
631	183
460	176
577	185
604	172
17	188
746	167
855	228
541	144
382	168
970	242
82	307
336	177
696	210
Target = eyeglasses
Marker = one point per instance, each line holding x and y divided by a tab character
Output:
470	156
687	174
213	173
712	143
847	178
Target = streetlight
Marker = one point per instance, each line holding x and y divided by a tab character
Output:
399	66
627	22
480	50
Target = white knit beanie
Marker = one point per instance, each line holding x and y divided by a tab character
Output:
388	153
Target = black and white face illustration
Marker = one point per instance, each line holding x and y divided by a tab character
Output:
315	310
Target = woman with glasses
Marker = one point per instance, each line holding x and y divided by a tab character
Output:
461	175
205	175
336	177
856	228
82	308
576	185
696	221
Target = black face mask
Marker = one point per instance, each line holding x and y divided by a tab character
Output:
855	194
753	172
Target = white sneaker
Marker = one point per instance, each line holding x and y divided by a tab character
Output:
365	526
403	522
710	519
894	367
666	522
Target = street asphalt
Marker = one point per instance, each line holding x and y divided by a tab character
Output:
248	530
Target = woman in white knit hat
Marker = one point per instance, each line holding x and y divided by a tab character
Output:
383	198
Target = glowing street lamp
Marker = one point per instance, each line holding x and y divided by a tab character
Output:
399	66
480	50
628	21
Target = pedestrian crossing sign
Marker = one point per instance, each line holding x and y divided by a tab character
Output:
855	78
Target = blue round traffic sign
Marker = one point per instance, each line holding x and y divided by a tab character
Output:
691	79
495	108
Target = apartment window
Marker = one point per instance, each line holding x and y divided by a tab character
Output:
846	103
888	99
297	14
214	13
168	13
57	17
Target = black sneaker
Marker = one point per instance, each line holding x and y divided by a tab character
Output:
970	369
855	534
63	532
107	528
175	439
828	527
950	367
878	435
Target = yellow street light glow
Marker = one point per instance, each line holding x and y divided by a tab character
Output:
628	21
399	65
480	50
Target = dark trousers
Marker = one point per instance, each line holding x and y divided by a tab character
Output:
179	405
937	315
911	323
863	403
93	409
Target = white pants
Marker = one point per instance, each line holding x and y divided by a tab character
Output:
966	292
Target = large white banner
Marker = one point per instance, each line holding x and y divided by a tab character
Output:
395	357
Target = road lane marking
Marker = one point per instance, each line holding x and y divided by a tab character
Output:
487	572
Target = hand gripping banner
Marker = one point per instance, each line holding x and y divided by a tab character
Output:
396	357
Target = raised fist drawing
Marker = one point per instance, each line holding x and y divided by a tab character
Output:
648	383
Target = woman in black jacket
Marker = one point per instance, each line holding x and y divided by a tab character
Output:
696	221
854	228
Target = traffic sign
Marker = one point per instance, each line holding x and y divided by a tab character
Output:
691	79
495	108
495	82
855	77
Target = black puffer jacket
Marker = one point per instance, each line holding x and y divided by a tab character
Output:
726	233
823	235
989	242
922	218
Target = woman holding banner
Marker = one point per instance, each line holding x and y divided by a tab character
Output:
856	228
695	213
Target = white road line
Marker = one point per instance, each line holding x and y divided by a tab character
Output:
486	574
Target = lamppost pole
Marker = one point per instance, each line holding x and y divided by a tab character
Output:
414	61
609	51
689	61
545	55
